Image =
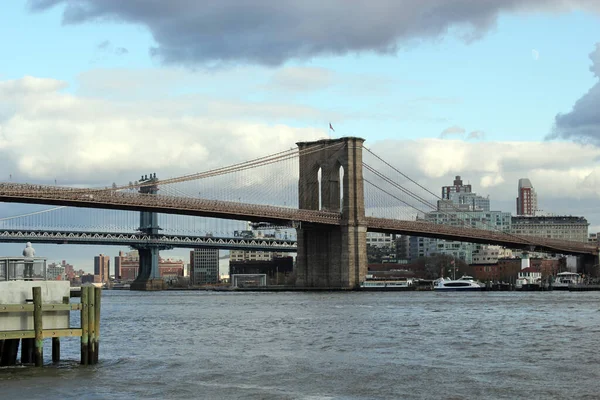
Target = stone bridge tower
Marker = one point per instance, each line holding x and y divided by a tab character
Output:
332	256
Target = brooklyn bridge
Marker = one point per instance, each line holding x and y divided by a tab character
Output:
330	193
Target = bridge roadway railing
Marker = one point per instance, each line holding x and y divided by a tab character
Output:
107	198
110	238
474	235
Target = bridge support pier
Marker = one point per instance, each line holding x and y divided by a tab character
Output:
149	273
332	256
148	276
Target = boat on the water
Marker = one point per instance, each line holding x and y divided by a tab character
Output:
383	285
565	279
463	284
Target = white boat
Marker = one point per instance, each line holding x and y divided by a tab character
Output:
463	284
564	279
397	284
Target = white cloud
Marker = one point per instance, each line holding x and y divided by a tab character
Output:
557	170
47	133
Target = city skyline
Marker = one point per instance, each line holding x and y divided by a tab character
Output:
494	96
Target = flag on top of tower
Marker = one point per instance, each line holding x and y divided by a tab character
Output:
331	127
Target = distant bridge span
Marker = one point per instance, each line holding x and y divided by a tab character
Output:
108	199
141	239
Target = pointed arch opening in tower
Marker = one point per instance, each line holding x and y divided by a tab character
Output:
341	175
319	188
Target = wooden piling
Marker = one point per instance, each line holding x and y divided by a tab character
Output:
84	325
97	298
56	340
27	351
91	325
38	353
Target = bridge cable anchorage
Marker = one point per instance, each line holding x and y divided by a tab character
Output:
456	210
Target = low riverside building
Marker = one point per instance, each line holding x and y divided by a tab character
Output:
129	266
506	270
277	270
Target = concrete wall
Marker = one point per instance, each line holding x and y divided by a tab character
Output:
16	292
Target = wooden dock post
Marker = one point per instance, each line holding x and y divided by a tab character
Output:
97	301
91	325
84	325
37	326
56	340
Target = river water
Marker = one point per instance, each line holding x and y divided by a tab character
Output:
402	345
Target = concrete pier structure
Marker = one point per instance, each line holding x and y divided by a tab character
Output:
332	256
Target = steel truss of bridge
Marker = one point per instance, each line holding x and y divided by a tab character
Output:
139	239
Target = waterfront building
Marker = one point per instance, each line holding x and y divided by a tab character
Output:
490	254
380	240
403	249
490	220
55	272
117	267
169	268
460	197
459	206
253	255
204	264
277	270
102	267
526	198
551	227
507	269
129	266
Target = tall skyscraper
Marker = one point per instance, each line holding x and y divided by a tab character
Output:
118	263
204	264
102	267
457	187
527	198
459	197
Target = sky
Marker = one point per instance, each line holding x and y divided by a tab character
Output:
100	91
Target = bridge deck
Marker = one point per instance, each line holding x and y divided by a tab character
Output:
108	199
